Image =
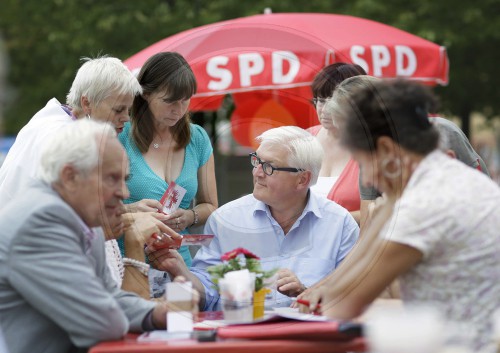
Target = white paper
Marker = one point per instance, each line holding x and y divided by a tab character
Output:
238	285
180	322
163	336
269	316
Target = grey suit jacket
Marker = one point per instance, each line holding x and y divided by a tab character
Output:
55	296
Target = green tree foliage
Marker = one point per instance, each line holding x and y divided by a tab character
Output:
46	39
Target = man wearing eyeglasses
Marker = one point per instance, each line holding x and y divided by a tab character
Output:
304	235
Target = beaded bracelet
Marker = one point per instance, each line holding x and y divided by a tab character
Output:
196	217
141	266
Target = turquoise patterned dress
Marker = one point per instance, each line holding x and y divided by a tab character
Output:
143	183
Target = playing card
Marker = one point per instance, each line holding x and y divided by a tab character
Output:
172	197
187	239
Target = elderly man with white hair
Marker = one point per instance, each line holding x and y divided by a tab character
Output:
56	291
305	235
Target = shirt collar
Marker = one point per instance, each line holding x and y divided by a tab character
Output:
88	233
67	109
311	206
86	229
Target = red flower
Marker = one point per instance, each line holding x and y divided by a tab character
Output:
248	254
234	253
232	262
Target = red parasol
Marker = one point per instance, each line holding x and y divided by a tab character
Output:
268	62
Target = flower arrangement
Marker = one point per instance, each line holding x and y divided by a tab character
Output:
233	261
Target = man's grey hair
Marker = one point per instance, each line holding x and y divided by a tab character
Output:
451	137
99	78
333	106
76	144
304	150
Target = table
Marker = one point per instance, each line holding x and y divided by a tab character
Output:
130	345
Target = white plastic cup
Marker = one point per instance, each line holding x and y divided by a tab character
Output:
236	294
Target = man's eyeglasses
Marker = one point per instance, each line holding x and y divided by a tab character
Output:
267	167
317	101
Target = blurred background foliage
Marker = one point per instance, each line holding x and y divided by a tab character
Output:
45	40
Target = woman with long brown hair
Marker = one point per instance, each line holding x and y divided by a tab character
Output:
164	146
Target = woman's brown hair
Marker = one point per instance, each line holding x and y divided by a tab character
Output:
168	72
331	76
397	109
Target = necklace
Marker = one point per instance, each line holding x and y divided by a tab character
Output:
157	145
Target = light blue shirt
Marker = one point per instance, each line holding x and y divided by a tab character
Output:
315	245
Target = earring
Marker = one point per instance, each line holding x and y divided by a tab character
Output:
397	166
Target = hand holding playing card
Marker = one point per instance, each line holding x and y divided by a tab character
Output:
146	227
170	240
171	199
179	220
166	241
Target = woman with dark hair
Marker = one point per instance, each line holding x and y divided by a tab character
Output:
339	173
437	233
163	146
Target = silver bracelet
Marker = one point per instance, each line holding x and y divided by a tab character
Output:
196	217
141	266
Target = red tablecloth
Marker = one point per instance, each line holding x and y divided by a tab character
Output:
130	345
